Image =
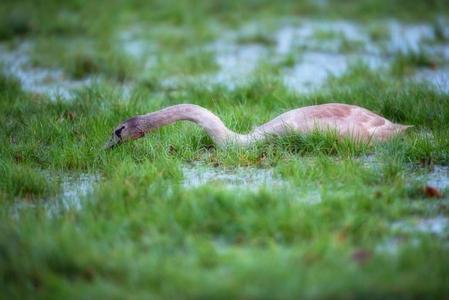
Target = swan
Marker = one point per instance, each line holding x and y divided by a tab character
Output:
351	121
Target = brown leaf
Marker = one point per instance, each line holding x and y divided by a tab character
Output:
71	115
172	149
18	157
432	192
378	194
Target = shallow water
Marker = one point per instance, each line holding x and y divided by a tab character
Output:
392	246
237	62
74	189
320	57
247	179
438	226
51	82
408	37
251	178
438	78
438	177
315	44
139	48
306	35
324	58
314	69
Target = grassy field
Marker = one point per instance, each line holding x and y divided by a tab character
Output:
331	220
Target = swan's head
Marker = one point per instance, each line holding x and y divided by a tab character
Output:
126	131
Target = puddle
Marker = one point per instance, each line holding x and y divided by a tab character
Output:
319	35
131	44
392	246
236	62
322	48
438	177
74	189
438	226
323	57
316	67
52	82
314	70
408	37
139	48
247	179
319	59
318	46
439	78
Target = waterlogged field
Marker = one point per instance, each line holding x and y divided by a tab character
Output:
171	215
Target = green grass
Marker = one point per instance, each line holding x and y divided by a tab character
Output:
378	32
407	63
142	234
438	30
262	37
171	237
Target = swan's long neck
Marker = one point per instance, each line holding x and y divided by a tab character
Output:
212	124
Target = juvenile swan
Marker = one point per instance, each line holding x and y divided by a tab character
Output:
350	121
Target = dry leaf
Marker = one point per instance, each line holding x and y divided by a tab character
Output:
432	192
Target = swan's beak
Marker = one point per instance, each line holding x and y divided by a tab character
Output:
113	141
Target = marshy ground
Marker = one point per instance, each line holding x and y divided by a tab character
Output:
170	215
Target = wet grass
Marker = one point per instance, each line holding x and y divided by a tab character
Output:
378	32
142	233
139	212
407	63
24	182
441	35
257	37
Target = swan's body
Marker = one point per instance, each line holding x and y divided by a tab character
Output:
346	120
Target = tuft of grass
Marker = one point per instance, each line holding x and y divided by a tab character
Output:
407	63
348	45
439	31
17	23
190	63
379	33
257	37
325	35
279	64
81	59
114	66
22	181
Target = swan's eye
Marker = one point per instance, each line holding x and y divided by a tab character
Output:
118	132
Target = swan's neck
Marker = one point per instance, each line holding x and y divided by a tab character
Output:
212	124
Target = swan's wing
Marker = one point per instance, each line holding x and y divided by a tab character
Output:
347	120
